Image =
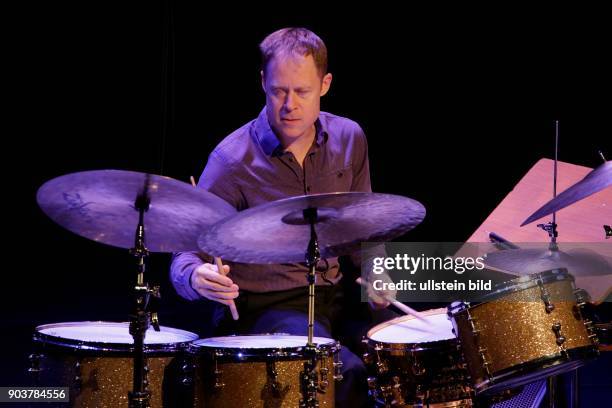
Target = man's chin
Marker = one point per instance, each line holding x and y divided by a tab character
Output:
291	132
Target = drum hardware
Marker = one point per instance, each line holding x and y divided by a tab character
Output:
323	379
187	374
273	376
608	231
309	378
545	296
34	359
142	315
218	373
78	376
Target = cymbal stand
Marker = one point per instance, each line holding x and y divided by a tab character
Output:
309	376
551	227
139	319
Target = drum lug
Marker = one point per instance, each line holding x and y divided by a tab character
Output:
338	369
367	358
218	377
77	376
187	370
372	383
381	367
35	359
323	379
545	296
582	297
556	327
276	387
481	350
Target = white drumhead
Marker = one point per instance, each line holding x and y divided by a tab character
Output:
113	333
267	341
408	329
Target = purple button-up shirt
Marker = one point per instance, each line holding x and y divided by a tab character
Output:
249	167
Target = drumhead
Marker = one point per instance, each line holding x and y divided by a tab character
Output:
410	330
266	341
113	335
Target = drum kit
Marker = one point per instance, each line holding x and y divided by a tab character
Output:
526	330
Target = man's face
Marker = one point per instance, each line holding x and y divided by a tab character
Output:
293	90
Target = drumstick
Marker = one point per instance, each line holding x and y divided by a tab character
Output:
399	305
232	304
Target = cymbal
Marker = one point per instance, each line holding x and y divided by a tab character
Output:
277	232
527	261
595	181
100	205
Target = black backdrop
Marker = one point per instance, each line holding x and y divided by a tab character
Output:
456	110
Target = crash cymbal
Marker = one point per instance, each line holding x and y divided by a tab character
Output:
527	261
277	232
100	205
593	182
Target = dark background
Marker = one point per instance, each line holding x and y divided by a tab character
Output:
456	110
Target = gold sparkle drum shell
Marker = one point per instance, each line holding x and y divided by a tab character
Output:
415	363
262	370
527	329
93	359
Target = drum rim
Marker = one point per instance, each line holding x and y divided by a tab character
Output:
526	282
331	347
393	346
84	345
500	381
512	286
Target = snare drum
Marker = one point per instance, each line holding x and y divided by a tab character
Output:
262	370
93	359
414	363
529	328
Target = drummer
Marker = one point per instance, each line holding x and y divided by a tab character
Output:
290	149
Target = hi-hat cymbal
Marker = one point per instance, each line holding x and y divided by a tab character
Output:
277	232
527	261
100	205
592	183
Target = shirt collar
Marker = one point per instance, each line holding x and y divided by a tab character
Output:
270	143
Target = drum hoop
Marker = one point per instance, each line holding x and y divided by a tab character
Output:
527	282
408	346
578	355
414	347
265	352
94	346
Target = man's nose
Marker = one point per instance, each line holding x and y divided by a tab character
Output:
290	101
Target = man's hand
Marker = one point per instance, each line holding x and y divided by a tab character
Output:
378	299
209	283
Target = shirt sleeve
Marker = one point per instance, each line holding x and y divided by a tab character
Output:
361	163
217	179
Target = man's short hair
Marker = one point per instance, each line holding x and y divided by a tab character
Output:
294	41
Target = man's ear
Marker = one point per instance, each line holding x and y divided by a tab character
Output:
263	80
326	83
